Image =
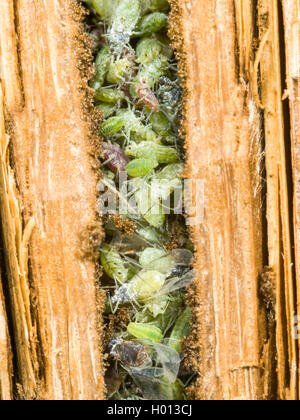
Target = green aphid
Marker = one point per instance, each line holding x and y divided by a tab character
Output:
151	210
102	63
118	69
180	330
104	8
149	234
132	271
106	109
152	23
150	255
146	134
170	139
160	123
126	15
163	154
146	284
165	309
133	125
155	6
108	175
165	42
147	50
141	167
157	259
95	84
158	306
145	331
162	126
110	96
170	172
111	126
113	263
164	187
150	73
123	22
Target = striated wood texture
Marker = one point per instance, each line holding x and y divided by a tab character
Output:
244	298
222	126
278	208
6	371
291	15
52	286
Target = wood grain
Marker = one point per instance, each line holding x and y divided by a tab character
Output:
244	298
6	371
291	11
278	214
222	127
54	296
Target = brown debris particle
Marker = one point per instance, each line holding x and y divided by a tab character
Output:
268	291
118	321
91	239
110	329
122	318
125	226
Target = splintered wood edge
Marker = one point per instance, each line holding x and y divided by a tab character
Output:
222	130
6	371
58	331
11	220
291	12
279	235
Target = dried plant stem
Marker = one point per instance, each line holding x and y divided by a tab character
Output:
17	279
291	12
222	129
54	298
278	216
6	371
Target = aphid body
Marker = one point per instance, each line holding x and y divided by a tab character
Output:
148	234
147	96
145	331
163	154
157	259
113	263
110	96
111	126
104	8
152	23
123	21
146	284
141	167
117	160
181	329
149	207
150	73
135	128
118	70
147	50
103	60
106	109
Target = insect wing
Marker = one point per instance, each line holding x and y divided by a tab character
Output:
149	382
170	361
177	283
182	257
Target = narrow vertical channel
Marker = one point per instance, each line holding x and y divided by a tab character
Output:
147	254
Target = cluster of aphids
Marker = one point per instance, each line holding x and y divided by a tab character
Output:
147	256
